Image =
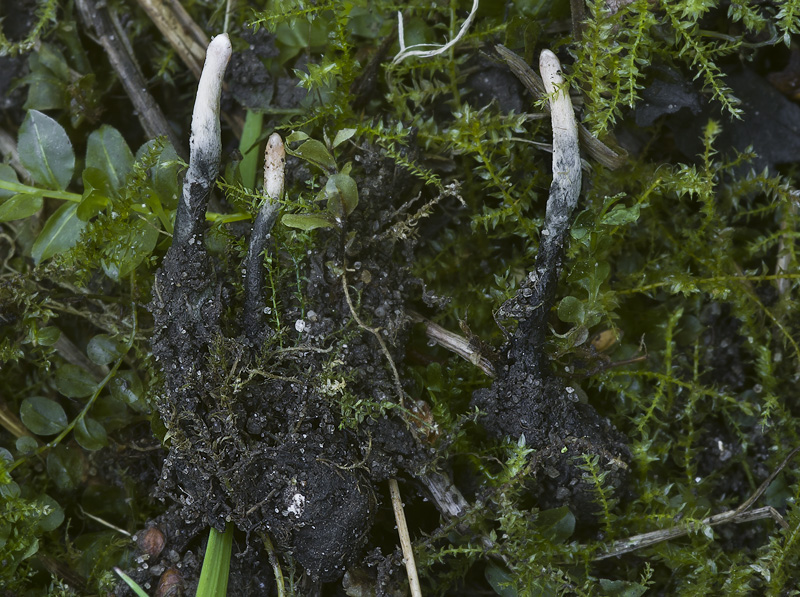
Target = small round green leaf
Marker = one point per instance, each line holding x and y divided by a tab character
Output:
500	580
6	456
19	207
345	187
90	434
103	349
65	467
315	152
8	491
47	336
621	215
46	151
42	415
165	177
571	310
74	382
126	386
342	136
54	517
26	444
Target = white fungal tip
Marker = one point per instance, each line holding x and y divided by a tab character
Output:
275	145
274	163
550	70
221	44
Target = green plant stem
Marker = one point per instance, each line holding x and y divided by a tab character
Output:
711	280
275	563
24	189
218	218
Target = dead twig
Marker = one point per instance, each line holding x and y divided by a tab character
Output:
98	17
179	29
405	539
454	343
738	515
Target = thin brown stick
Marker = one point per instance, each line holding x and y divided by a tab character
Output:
739	515
152	119
454	343
405	539
180	30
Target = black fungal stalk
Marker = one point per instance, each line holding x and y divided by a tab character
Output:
527	398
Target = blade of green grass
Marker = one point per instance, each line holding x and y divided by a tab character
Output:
131	583
216	564
249	147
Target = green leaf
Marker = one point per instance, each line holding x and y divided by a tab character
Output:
19	207
129	251
43	416
103	349
47	336
55	515
307	221
60	233
344	187
316	153
621	215
557	524
296	136
500	580
571	310
65	467
48	79
165	177
26	444
46	151
107	151
8	490
134	586
8	174
96	193
622	588
126	387
74	382
342	136
216	563
90	434
249	146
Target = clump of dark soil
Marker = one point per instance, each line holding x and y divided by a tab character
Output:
256	431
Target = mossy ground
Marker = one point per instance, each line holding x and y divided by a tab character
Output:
676	322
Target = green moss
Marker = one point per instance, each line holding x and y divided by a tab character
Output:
677	260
